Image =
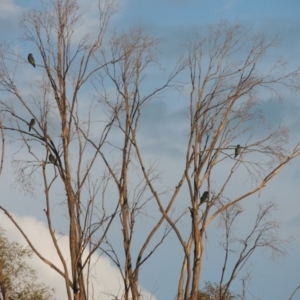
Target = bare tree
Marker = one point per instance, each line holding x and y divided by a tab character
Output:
264	235
225	88
72	140
93	154
66	66
127	75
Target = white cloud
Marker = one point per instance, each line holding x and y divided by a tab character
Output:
105	278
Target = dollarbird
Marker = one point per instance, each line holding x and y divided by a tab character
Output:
204	197
237	150
52	159
31	124
31	59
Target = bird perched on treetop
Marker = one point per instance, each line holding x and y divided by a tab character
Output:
31	124
204	197
237	150
31	59
52	159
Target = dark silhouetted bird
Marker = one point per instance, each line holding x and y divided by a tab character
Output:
31	59
237	150
52	159
204	197
31	124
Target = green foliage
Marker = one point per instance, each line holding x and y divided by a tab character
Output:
16	276
212	292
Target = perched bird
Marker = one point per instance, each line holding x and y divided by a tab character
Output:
237	150
204	197
31	59
31	124
52	159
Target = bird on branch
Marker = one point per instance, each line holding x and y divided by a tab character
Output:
204	197
31	59
52	159
237	150
31	124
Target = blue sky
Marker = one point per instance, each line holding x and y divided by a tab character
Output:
163	130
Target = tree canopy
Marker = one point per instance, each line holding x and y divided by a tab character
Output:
19	281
